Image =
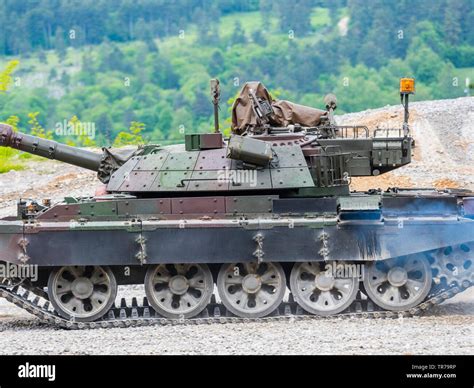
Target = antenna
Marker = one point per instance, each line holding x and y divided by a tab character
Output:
215	93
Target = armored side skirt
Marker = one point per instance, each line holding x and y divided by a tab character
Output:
225	240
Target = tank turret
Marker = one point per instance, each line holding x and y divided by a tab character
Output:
276	147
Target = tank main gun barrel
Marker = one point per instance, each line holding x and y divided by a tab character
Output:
49	149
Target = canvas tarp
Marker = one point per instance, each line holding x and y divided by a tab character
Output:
285	112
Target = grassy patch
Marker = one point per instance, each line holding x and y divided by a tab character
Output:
11	159
463	73
343	12
250	22
8	165
320	18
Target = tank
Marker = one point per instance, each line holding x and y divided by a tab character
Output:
258	225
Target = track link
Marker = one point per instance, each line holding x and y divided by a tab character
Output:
143	315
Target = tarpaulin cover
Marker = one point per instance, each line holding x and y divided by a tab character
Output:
285	112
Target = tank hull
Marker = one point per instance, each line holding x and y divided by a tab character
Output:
250	248
346	234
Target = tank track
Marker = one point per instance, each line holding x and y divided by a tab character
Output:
32	300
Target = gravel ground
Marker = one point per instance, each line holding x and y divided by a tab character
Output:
444	136
44	179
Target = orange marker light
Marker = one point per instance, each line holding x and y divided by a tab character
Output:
407	85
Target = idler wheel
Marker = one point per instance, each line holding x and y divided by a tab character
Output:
179	290
251	290
82	293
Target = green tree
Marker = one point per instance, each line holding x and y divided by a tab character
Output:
217	63
182	123
201	106
60	43
452	21
238	34
81	134
132	137
104	126
334	6
36	129
208	26
5	75
266	10
258	38
295	15
13	121
53	74
425	63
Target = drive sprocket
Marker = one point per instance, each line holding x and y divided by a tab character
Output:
454	263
